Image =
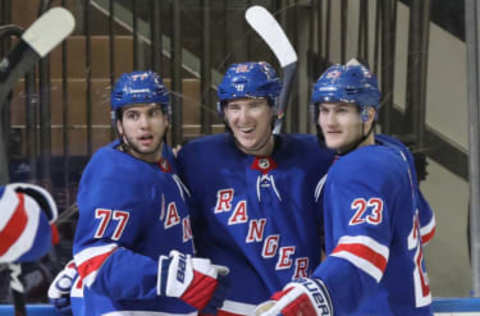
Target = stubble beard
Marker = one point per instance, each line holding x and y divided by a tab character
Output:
135	148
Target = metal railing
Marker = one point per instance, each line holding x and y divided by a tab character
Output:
199	38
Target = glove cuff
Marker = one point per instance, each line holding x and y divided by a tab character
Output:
175	273
317	294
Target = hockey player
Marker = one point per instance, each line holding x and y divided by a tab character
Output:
27	228
374	263
133	241
252	191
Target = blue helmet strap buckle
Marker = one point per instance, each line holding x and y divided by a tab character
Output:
364	114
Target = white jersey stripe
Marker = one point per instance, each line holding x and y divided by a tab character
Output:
90	260
8	205
237	308
368	242
27	238
365	253
362	264
91	252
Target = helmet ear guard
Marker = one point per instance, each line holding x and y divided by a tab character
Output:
364	114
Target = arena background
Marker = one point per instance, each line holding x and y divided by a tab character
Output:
57	116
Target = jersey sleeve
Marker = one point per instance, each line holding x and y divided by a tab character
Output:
112	215
25	232
359	230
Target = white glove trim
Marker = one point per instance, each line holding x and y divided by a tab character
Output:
316	291
66	278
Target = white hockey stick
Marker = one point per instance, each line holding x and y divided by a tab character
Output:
49	30
265	24
36	42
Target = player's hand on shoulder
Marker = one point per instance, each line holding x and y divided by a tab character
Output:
59	290
196	281
306	297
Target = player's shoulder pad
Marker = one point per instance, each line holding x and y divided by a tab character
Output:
111	172
391	141
380	162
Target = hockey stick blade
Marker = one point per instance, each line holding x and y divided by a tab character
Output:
272	33
49	30
267	27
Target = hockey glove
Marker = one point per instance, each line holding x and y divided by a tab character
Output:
302	297
59	290
193	280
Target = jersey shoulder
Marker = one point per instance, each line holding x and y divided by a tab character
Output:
370	163
388	140
392	142
111	163
113	177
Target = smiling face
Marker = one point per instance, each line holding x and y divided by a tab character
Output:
143	127
342	125
251	123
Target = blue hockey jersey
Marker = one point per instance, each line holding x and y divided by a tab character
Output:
425	212
255	214
131	212
372	235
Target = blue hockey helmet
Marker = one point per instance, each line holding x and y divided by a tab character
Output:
352	83
249	80
139	87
